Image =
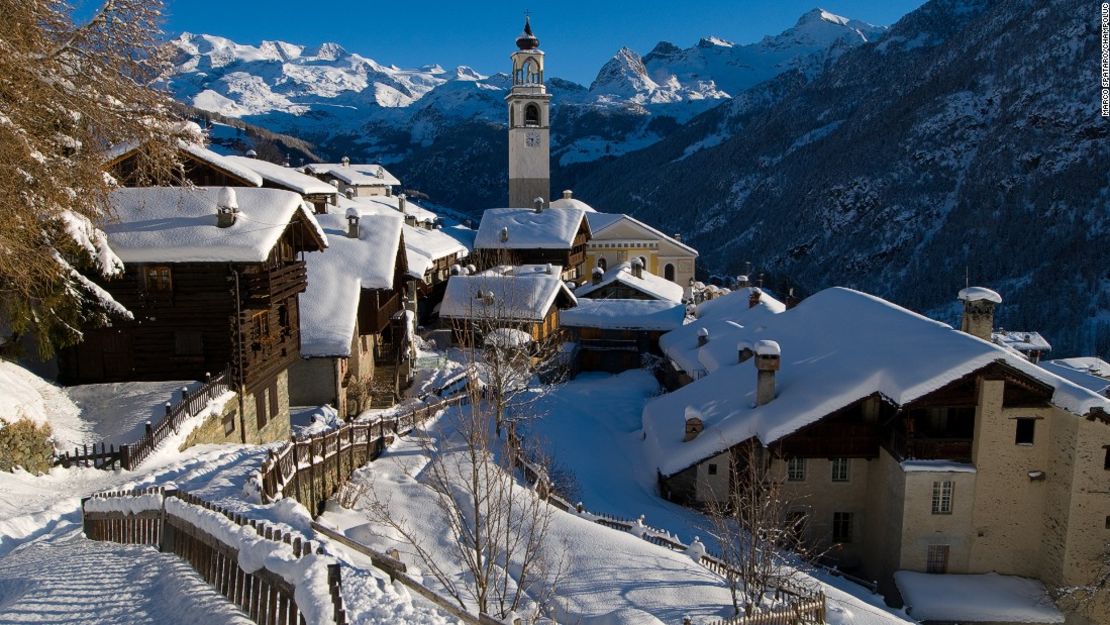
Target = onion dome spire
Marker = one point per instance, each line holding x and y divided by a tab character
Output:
526	40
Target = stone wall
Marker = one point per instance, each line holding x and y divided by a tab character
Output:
25	445
244	427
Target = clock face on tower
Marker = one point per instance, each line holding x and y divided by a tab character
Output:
532	138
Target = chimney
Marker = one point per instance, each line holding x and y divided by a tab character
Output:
568	194
694	424
350	193
252	154
744	351
352	223
791	299
677	237
537	204
598	274
504	234
637	268
978	317
742	282
703	336
548	269
402	202
768	356
345	161
227	208
753	297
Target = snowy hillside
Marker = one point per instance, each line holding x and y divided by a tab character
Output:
907	165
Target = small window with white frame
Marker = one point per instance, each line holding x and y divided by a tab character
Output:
840	470
942	497
796	470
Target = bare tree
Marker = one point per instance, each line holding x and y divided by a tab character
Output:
498	529
68	91
759	529
1092	598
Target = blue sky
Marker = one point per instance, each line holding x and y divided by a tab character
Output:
578	35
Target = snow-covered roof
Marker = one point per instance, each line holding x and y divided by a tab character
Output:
423	247
513	298
976	598
524	271
527	229
178	224
197	151
387	205
1021	341
600	222
329	307
287	177
358	175
649	284
572	203
1089	372
977	293
838	346
624	314
724	322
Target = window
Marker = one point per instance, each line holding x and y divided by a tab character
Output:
531	115
1108	522
796	470
840	469
158	278
713	468
229	423
1106	460
942	497
188	343
1025	430
260	409
668	272
842	527
273	401
936	559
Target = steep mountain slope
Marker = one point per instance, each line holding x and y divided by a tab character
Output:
951	147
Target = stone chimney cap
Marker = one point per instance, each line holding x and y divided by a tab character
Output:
977	293
704	332
767	348
353	212
227	199
692	413
568	194
598	272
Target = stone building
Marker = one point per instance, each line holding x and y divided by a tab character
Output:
358	180
902	444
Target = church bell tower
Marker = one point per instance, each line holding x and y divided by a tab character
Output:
529	125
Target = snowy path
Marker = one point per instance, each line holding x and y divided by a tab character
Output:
68	580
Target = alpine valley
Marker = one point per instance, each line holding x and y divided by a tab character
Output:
895	160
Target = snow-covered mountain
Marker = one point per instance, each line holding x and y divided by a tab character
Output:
350	104
949	148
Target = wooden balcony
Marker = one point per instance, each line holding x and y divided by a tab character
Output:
376	308
833	439
904	447
265	286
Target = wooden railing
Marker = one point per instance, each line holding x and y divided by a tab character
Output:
905	447
313	469
266	596
273	285
130	456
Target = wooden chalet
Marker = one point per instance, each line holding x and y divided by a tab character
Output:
200	166
211	277
614	335
527	302
522	236
432	255
355	333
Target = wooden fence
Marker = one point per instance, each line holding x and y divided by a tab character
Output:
313	469
130	456
806	605
266	597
